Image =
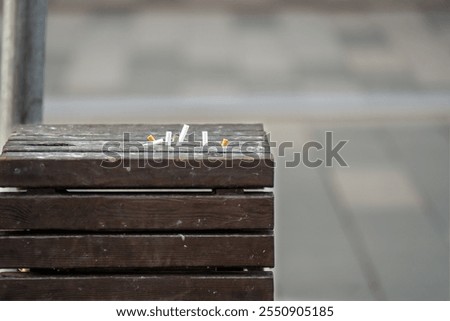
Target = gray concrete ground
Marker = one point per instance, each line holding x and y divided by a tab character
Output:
375	230
378	229
195	53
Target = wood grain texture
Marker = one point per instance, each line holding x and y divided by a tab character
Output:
136	250
88	146
73	172
100	129
136	211
233	137
255	286
95	156
163	237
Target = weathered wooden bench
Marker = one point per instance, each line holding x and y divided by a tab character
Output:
94	216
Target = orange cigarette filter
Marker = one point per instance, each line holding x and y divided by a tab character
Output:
150	138
224	142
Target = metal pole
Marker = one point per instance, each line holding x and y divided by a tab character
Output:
23	55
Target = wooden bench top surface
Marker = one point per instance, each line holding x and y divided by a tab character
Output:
119	156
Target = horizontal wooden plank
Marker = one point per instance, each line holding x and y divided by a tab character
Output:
75	156
99	129
255	286
136	250
112	155
136	211
136	137
61	146
83	170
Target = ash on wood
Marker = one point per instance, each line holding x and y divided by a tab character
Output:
214	213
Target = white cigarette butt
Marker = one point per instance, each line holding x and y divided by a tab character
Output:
157	142
204	138
168	138
183	133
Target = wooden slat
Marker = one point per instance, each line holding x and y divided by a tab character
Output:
63	146
136	211
134	137
111	154
70	156
256	286
99	129
80	170
136	250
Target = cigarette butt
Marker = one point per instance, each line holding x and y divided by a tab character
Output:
157	142
183	133
224	142
23	270
168	138
150	138
204	138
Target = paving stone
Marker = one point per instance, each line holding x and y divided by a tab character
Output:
410	257
385	187
367	36
423	149
389	207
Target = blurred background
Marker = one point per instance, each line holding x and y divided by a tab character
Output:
375	72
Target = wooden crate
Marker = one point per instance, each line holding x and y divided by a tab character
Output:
101	214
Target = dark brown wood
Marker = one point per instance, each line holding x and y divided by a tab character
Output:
136	211
255	286
97	146
99	156
233	137
79	172
136	250
234	132
99	129
171	245
230	191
